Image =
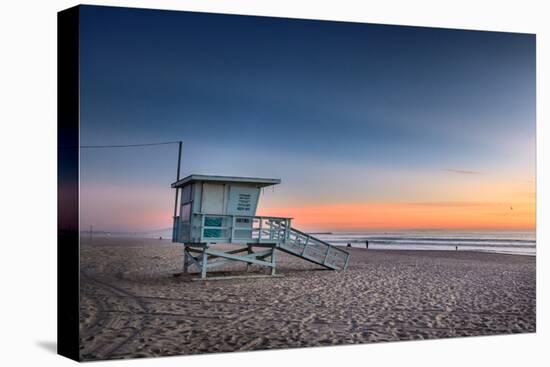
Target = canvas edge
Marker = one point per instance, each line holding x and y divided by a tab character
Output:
68	166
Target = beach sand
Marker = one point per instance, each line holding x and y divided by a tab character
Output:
132	305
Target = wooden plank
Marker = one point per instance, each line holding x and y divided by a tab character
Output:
239	258
273	257
219	262
231	252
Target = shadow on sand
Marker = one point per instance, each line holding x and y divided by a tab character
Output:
50	346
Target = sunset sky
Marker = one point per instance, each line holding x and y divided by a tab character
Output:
367	126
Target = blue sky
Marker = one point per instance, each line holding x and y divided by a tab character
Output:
342	112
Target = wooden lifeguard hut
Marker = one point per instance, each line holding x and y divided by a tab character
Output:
217	210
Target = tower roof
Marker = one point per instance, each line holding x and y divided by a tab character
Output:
258	181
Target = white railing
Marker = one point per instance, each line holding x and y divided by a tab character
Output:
242	228
312	248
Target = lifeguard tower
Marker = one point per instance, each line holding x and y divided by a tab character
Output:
222	210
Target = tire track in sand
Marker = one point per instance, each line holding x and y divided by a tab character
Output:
105	349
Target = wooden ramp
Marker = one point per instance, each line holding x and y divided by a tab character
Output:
259	238
314	250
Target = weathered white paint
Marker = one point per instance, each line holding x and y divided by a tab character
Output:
213	198
218	195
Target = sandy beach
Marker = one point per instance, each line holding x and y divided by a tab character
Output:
132	305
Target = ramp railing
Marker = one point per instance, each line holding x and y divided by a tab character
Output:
315	250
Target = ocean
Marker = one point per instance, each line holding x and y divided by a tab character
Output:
523	243
519	242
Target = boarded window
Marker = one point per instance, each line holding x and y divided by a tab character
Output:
186	194
185	212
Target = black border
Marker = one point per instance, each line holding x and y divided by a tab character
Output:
68	183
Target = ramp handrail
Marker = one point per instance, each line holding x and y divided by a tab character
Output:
314	249
319	240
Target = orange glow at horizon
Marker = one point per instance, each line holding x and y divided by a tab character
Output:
466	202
443	215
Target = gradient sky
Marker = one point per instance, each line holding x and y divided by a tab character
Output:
368	126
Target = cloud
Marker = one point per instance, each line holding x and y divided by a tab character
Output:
461	171
457	204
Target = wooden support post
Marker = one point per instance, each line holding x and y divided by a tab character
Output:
204	262
273	260
249	249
